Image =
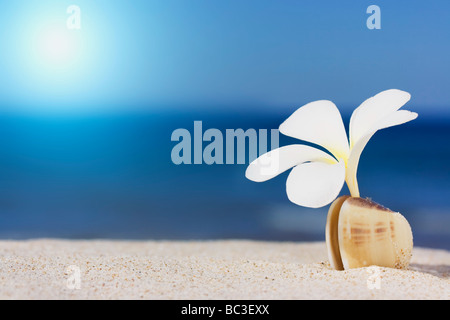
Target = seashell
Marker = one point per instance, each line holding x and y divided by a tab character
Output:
361	233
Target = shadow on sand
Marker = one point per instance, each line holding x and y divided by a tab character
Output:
441	270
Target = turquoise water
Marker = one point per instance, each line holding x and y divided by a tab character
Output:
111	176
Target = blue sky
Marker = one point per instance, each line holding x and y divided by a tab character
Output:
216	53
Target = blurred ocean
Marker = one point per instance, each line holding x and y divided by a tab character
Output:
111	176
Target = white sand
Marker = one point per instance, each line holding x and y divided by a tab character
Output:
42	269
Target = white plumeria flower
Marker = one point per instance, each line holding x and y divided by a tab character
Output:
317	177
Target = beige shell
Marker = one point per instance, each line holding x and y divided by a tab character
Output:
361	233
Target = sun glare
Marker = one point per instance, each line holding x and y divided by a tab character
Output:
56	45
57	48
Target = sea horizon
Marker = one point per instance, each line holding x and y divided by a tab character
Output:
111	176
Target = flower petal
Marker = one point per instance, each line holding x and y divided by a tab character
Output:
315	184
373	110
396	118
321	123
279	160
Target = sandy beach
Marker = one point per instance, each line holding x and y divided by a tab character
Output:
63	269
